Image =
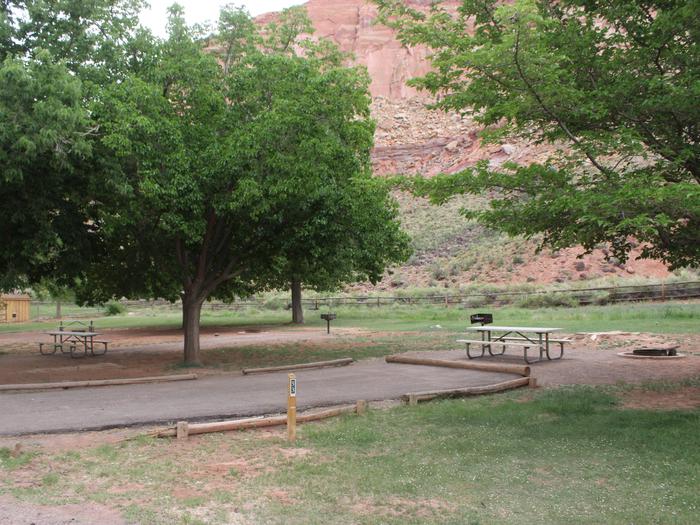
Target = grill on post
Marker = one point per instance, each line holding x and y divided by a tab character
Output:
481	318
328	318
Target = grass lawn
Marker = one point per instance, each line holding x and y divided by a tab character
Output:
357	347
569	455
670	317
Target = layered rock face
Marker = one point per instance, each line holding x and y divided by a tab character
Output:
351	24
413	139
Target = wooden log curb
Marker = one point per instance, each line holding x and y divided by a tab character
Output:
98	382
486	367
253	422
414	397
317	364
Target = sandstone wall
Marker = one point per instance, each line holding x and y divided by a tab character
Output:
351	24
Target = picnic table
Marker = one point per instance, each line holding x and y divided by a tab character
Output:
77	343
521	337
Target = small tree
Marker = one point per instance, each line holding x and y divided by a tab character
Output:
351	236
617	82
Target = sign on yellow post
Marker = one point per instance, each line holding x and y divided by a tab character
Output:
292	408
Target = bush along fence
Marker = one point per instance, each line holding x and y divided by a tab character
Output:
534	299
525	299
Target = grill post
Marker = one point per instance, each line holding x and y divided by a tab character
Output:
328	318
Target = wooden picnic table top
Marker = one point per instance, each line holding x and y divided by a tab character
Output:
77	334
526	329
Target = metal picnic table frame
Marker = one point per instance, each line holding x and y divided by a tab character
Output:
78	341
522	334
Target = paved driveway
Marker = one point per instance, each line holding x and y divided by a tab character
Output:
222	396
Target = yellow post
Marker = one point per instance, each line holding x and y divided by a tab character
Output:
292	408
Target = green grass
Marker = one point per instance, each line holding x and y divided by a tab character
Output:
362	347
670	317
644	317
9	460
159	319
568	455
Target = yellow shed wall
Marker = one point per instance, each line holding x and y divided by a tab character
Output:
15	309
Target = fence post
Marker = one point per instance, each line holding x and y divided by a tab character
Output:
292	408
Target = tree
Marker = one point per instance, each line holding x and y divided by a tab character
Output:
349	231
54	59
617	82
214	161
351	235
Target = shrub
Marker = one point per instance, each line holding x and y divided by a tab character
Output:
437	272
600	297
114	308
546	300
275	303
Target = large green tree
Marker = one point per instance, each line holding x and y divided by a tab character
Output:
614	84
55	57
219	157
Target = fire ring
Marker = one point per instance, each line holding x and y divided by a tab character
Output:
660	352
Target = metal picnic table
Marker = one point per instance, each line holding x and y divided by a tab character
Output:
77	342
524	337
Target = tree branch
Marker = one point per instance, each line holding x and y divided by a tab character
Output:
202	261
182	259
562	125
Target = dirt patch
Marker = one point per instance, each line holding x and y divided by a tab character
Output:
687	398
146	352
14	512
591	359
57	443
280	496
396	507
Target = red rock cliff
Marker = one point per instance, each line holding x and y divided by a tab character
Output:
351	24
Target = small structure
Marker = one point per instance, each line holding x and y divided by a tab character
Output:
328	318
14	308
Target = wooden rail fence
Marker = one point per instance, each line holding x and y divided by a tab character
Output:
583	296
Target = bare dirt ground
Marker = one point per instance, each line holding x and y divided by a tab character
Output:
14	512
137	352
592	359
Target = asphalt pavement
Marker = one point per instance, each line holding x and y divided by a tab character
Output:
222	396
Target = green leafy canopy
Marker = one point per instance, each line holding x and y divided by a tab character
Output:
617	83
238	167
55	57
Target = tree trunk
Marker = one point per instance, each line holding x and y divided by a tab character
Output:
297	310
191	310
58	309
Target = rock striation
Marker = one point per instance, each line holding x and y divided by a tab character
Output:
352	25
